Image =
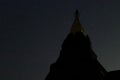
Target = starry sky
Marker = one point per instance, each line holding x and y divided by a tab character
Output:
32	31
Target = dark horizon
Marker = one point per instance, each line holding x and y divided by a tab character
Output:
32	32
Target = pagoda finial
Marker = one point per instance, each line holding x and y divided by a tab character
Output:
76	26
76	13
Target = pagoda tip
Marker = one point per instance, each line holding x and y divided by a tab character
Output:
76	13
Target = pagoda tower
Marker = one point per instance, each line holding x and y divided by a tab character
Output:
77	60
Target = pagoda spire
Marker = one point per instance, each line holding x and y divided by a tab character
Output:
76	26
77	60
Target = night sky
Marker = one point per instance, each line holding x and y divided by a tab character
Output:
32	32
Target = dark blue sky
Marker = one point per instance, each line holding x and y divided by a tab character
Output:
32	31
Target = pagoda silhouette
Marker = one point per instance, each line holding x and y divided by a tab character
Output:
77	60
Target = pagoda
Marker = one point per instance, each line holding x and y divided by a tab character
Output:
77	60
